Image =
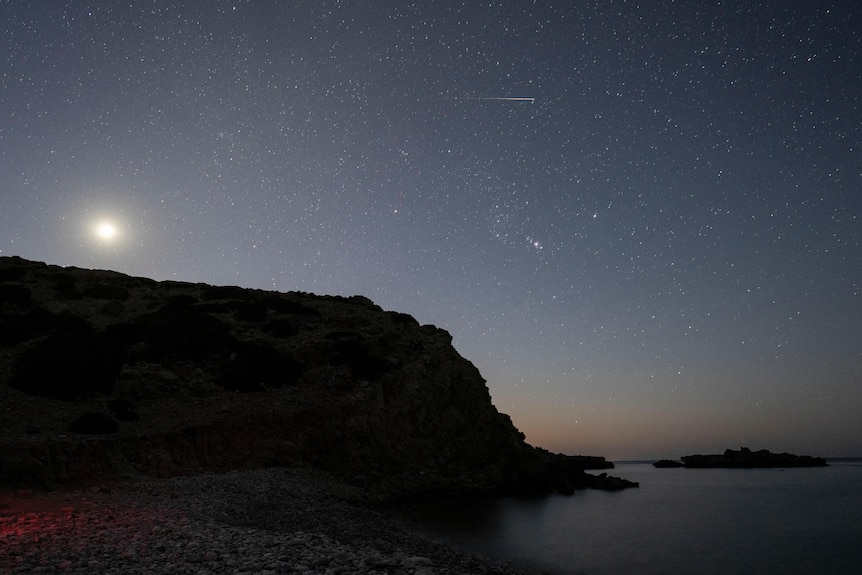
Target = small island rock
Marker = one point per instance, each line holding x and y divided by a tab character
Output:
746	458
666	463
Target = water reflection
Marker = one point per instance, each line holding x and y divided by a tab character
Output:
506	529
679	521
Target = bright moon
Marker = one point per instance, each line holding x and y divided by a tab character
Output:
106	231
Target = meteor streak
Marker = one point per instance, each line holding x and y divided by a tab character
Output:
531	100
498	98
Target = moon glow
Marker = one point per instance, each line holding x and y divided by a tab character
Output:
106	231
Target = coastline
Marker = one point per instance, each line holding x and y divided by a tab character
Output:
274	520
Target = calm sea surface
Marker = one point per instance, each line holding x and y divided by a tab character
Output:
680	521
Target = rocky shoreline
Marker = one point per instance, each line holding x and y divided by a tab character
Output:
263	521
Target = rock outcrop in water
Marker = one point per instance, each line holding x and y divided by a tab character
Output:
745	458
668	463
104	373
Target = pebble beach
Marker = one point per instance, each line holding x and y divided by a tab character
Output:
267	521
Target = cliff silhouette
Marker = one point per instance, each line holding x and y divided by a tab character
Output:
104	374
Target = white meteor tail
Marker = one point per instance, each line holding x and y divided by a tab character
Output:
531	100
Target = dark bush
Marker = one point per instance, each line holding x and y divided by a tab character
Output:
68	366
279	304
228	292
94	423
221	306
13	328
182	301
165	285
402	318
256	368
362	359
106	291
123	410
186	333
112	309
343	334
11	270
360	300
15	294
251	311
144	282
281	327
39	322
66	287
242	310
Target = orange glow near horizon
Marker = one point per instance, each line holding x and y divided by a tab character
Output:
650	432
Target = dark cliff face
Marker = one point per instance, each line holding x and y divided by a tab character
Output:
102	372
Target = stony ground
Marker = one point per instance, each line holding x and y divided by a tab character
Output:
261	521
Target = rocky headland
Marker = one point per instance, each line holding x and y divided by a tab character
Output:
105	375
746	458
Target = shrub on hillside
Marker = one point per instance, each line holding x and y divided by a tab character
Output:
69	366
256	368
123	410
106	291
16	328
281	304
66	287
281	327
363	359
94	423
15	294
182	332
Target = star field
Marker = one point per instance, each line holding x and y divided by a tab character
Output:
640	221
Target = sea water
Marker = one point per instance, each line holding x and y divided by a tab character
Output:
680	521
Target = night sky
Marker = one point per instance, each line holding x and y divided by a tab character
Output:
639	220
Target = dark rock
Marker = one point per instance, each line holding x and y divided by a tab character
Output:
745	458
329	382
666	463
609	483
94	423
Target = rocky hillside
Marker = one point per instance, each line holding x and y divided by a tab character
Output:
103	373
